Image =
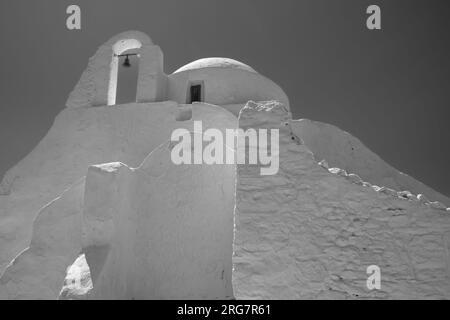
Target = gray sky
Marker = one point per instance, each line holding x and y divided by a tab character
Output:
389	88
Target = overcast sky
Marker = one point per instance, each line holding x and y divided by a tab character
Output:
389	88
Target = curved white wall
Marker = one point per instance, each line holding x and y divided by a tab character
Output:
225	86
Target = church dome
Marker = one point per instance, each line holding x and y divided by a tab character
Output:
216	62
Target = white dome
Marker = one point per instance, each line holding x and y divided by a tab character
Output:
215	63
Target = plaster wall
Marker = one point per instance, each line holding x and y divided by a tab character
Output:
98	83
305	233
225	86
342	150
167	229
151	198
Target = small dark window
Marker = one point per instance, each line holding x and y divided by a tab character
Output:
196	93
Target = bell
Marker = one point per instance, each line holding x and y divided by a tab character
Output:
126	63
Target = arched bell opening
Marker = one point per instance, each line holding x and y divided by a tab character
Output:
124	69
127	77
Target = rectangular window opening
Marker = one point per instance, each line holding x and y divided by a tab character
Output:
195	92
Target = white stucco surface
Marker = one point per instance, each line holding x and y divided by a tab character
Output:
168	229
215	62
226	81
341	149
306	233
81	137
38	272
100	195
224	86
98	83
235	109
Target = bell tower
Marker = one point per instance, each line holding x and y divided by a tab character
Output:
98	83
